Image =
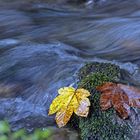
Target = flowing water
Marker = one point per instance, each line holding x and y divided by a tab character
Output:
43	44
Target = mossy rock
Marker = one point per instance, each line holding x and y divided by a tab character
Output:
111	70
101	125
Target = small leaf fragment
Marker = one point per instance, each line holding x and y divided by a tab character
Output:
83	108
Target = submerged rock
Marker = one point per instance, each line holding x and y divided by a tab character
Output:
104	125
9	90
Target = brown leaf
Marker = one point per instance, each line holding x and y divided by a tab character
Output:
120	96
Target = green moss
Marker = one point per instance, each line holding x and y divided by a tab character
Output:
112	71
7	134
100	125
92	80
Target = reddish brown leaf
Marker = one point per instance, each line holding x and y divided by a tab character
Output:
119	96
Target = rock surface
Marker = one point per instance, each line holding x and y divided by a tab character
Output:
105	125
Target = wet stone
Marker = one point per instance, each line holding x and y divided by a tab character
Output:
9	90
104	125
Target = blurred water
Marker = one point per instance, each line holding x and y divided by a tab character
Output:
43	44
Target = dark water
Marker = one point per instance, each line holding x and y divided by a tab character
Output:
43	44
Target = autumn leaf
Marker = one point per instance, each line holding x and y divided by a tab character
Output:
68	101
120	96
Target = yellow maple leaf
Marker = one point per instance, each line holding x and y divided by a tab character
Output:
68	101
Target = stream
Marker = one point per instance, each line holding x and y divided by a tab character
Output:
43	45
